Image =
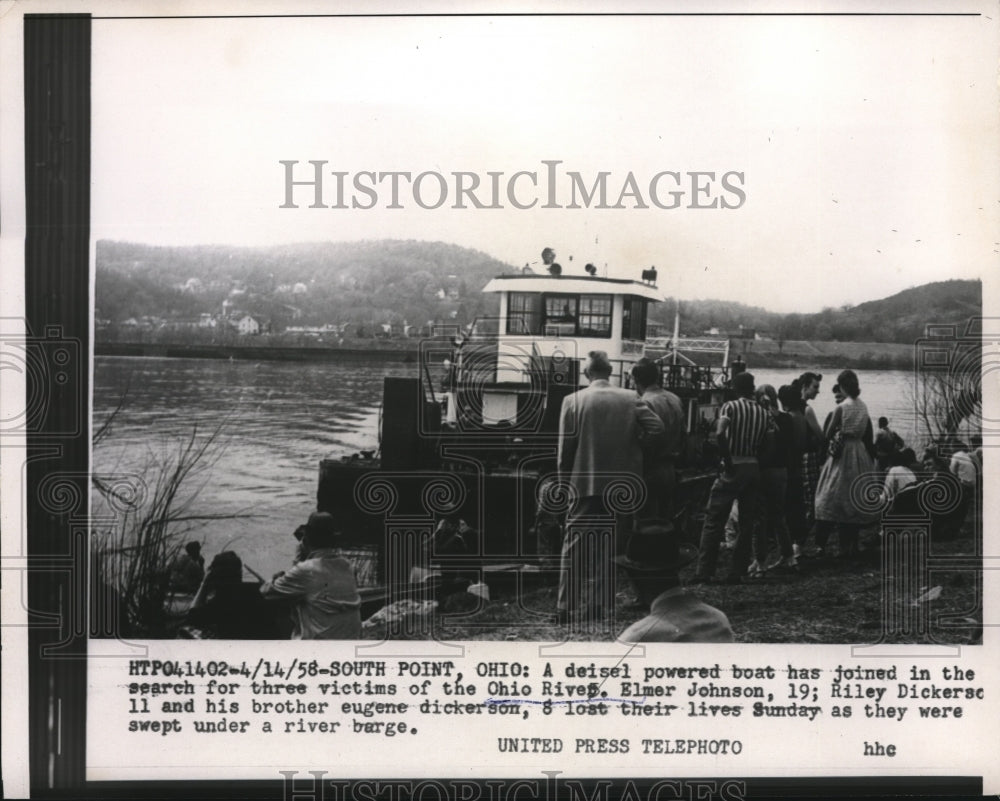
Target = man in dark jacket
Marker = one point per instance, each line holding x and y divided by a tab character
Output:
661	454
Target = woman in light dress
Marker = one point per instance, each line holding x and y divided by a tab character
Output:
842	478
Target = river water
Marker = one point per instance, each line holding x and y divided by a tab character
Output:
279	419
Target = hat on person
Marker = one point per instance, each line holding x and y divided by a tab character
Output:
654	547
321	523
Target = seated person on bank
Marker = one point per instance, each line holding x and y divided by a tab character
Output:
325	604
652	560
228	608
450	538
930	496
187	570
900	475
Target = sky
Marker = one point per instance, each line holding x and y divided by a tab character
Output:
866	145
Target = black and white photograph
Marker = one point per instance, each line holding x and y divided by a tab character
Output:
369	299
500	354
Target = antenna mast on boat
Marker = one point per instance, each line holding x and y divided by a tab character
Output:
597	255
677	326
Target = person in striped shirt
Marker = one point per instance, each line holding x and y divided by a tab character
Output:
743	424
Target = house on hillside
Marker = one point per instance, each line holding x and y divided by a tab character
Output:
245	324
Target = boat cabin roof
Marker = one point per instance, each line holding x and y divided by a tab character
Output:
572	285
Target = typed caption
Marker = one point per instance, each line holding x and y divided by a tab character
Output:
255	709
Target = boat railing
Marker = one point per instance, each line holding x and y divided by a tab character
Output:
693	377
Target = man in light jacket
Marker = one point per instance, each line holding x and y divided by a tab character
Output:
325	604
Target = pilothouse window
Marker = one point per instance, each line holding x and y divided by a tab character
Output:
579	315
560	309
524	313
560	314
595	315
634	319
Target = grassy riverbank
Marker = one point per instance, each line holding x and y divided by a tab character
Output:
829	600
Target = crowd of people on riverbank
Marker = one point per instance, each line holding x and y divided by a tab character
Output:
784	479
845	475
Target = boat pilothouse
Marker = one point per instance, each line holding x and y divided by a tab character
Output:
501	370
594	313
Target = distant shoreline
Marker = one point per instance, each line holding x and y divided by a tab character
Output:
255	353
830	362
794	355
